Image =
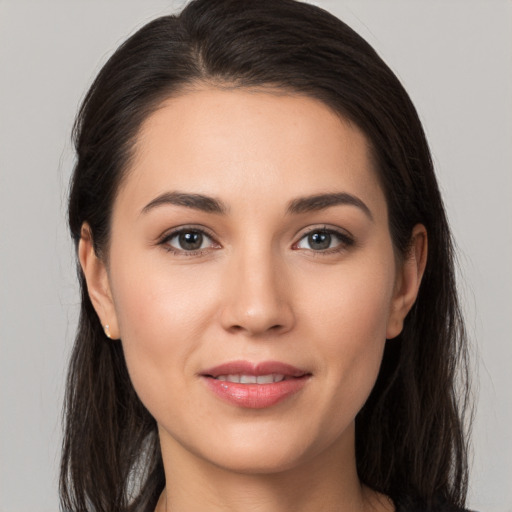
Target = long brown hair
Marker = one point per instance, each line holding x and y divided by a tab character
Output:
410	440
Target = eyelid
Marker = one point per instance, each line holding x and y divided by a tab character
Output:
346	238
171	233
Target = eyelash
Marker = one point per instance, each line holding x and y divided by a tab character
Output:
164	241
345	241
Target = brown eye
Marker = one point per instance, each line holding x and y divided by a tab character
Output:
324	240
188	240
319	241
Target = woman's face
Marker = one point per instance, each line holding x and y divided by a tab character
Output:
251	277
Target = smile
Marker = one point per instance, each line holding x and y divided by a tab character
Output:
252	379
255	386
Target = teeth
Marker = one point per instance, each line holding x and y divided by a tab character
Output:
265	379
252	379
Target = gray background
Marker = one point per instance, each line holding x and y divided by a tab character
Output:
454	58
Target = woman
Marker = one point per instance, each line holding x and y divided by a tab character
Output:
269	317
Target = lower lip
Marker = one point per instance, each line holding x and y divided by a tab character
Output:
255	396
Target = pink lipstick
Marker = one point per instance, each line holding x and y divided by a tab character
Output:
255	386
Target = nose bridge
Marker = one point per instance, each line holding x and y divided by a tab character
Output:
257	300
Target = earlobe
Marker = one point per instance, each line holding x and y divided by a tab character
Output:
408	281
98	286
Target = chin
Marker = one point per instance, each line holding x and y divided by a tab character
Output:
251	460
266	451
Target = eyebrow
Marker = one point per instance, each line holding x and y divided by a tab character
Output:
322	201
300	205
195	201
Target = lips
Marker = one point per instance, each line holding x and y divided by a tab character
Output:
255	386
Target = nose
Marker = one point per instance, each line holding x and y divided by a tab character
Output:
257	296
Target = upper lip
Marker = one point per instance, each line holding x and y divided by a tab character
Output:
256	369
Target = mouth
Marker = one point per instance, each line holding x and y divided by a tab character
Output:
245	372
252	379
255	386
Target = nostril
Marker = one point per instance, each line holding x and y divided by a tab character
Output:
255	316
239	328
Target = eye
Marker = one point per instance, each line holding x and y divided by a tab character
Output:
324	240
188	240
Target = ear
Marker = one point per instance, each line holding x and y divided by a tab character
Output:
98	285
408	281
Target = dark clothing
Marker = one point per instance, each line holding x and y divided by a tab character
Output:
412	506
438	509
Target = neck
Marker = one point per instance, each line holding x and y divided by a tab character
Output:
326	481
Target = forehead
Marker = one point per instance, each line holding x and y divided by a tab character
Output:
248	142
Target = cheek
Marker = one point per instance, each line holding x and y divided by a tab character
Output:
161	316
156	300
350	317
353	304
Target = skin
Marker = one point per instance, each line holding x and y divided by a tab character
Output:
257	290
